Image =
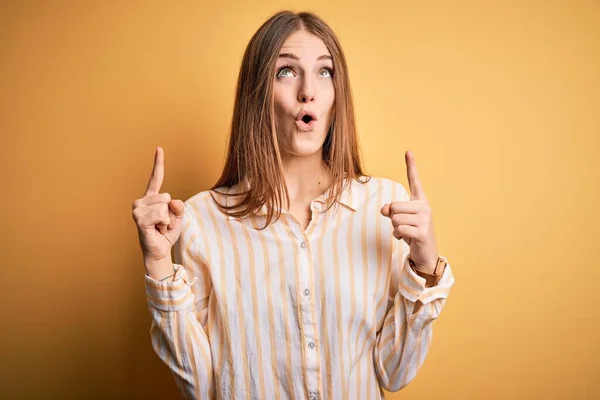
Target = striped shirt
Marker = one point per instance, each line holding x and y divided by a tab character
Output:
289	313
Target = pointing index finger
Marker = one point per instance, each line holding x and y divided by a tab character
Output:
416	189
158	173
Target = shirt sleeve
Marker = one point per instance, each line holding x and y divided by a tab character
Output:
403	341
178	308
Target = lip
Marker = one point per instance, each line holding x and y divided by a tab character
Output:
306	112
303	126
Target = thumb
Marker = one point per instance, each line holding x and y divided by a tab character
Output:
177	206
385	210
177	211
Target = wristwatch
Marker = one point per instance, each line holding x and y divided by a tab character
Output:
431	279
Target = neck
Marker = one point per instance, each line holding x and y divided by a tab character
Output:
306	177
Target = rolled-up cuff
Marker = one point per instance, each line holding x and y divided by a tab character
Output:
412	286
172	294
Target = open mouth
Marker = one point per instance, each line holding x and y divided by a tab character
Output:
306	123
307	119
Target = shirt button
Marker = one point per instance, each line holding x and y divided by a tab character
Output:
306	292
303	245
311	345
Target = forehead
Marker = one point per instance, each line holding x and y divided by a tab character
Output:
304	44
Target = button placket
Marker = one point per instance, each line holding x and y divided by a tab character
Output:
306	303
306	311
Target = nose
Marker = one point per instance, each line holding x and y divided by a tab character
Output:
307	91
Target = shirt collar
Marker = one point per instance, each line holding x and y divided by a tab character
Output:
349	197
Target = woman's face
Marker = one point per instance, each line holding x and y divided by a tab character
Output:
303	82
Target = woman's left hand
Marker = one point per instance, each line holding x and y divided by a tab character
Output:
412	221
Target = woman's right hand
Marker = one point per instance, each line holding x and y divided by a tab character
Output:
158	217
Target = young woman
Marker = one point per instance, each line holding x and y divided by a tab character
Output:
296	276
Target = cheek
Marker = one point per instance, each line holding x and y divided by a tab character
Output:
329	97
280	103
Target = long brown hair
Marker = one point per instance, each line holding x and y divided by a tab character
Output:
253	157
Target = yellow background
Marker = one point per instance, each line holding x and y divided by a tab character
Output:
499	101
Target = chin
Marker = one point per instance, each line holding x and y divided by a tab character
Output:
305	147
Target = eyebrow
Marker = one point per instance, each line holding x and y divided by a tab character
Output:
295	57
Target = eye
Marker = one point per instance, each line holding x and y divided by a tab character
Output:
329	71
283	68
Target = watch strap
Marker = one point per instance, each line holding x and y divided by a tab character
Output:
431	279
